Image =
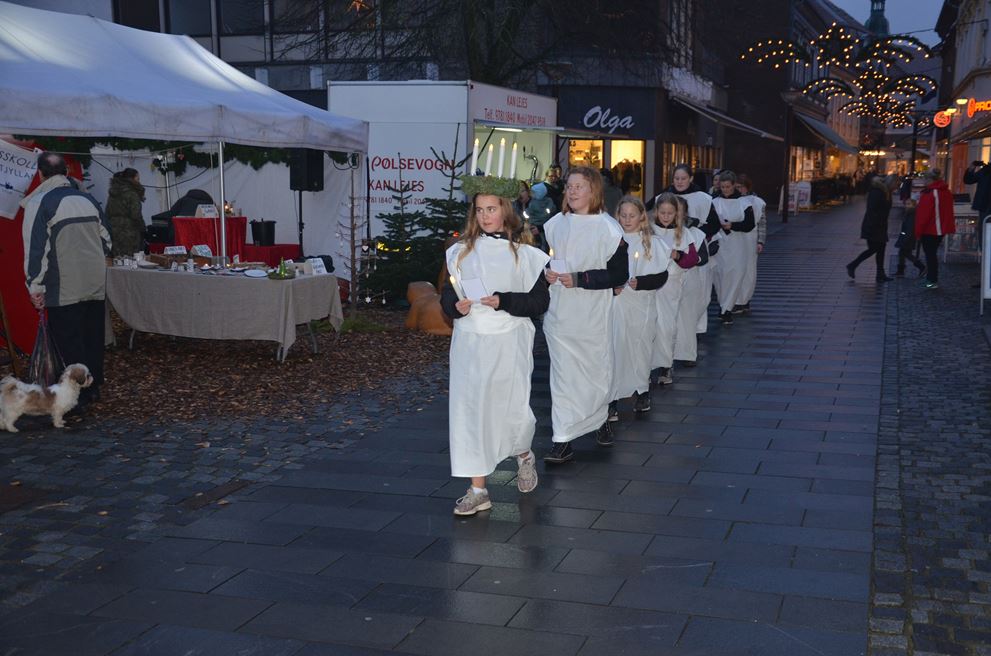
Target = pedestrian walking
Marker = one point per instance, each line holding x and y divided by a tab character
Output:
736	218
66	242
491	358
755	240
874	227
635	307
906	241
934	220
696	291
588	260
669	226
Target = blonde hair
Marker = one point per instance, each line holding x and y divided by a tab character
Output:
643	225
594	179
512	227
680	206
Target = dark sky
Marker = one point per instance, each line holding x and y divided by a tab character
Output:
903	15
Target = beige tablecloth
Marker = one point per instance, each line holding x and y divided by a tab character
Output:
222	307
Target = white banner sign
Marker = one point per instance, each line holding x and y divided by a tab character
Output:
17	168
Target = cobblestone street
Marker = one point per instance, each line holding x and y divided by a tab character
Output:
817	486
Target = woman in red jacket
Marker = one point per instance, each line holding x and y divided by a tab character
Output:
933	219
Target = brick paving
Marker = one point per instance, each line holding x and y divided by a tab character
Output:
741	517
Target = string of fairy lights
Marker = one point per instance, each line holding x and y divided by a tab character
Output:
871	84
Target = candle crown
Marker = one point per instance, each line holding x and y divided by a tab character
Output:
491	185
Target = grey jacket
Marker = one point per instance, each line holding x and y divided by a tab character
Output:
66	241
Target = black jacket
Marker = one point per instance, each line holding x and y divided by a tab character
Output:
982	193
875	224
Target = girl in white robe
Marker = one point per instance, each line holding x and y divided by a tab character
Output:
635	307
588	260
696	290
670	228
755	239
736	218
491	357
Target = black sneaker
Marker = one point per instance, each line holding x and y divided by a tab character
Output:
642	404
727	317
560	453
603	436
613	411
746	308
737	309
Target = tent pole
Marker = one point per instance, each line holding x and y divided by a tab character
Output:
223	203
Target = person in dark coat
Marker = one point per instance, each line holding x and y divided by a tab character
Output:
127	225
979	173
906	242
874	227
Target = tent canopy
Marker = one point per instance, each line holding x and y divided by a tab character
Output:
70	75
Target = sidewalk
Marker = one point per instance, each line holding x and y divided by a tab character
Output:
738	518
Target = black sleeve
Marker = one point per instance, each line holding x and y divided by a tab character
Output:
530	304
703	254
712	247
747	224
652	281
616	273
711	225
448	298
970	176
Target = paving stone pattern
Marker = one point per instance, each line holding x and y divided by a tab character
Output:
738	518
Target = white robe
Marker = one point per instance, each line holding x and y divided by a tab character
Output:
696	293
732	253
578	325
701	279
668	299
491	361
635	319
750	278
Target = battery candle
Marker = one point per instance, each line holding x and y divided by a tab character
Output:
457	289
512	162
474	159
636	263
488	159
502	154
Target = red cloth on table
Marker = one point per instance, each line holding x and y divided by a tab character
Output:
271	254
157	247
191	232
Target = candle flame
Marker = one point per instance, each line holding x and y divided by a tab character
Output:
551	253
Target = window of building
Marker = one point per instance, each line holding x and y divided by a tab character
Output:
296	16
585	152
190	17
681	32
141	14
242	17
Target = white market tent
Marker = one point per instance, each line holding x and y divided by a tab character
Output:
70	75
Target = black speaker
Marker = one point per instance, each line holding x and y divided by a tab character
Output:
305	169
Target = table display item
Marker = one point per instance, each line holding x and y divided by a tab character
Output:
256	273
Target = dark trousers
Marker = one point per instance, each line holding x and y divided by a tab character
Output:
930	244
875	248
907	252
78	333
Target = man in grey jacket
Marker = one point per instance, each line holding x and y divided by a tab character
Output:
66	241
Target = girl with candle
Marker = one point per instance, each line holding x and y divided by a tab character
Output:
491	357
755	241
635	307
670	229
736	218
696	288
578	324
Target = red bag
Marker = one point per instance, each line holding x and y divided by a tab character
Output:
46	365
689	259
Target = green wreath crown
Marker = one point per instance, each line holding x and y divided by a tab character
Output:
472	185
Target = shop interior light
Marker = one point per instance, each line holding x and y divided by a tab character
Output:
507	129
961	101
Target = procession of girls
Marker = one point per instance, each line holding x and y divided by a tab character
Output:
623	299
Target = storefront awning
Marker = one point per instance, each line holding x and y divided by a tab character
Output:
976	130
827	134
723	119
564	133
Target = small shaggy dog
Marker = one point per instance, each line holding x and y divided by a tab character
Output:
18	398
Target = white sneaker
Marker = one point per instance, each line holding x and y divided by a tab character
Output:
526	475
472	502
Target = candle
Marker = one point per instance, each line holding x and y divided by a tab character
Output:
457	289
474	159
636	263
551	253
488	159
502	154
512	162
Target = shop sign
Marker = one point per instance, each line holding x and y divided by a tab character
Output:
610	110
942	119
500	105
974	106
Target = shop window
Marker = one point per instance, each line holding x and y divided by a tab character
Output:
242	17
141	14
626	165
585	152
191	17
985	149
